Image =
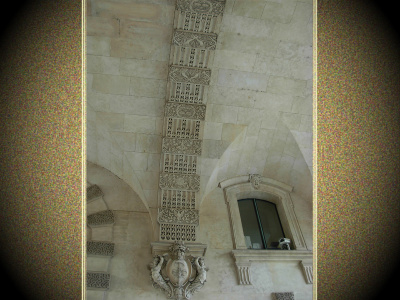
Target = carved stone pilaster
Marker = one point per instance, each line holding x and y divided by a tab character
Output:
283	296
180	181
191	75
189	111
182	146
307	267
195	39
178	216
210	7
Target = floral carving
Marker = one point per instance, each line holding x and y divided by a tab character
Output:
195	39
180	181
191	75
178	216
101	218
189	111
212	7
182	146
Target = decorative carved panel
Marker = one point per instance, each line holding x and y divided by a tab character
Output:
210	7
185	92
182	146
174	232
93	192
101	218
180	163
190	57
100	248
183	128
180	181
96	280
283	296
178	199
189	111
191	75
178	216
194	39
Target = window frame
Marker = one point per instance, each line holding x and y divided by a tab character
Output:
269	190
260	223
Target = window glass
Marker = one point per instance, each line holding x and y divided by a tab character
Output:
270	222
250	224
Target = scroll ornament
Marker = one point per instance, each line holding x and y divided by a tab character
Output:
177	274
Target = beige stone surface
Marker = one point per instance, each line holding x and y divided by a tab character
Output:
111	84
242	80
258	120
98	26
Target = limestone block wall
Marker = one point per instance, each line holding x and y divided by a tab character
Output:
258	121
131	236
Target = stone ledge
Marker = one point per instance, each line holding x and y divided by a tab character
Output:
244	259
272	255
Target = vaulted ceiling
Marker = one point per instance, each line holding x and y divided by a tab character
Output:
259	101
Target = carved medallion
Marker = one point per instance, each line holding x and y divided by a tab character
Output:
177	274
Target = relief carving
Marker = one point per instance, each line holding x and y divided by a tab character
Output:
101	218
211	7
195	40
97	280
255	180
189	111
100	248
177	274
182	146
180	181
191	75
284	296
178	216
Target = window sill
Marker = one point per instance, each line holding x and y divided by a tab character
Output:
244	258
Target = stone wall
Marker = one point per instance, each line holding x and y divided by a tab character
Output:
258	121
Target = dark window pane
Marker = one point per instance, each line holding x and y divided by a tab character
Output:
270	222
251	229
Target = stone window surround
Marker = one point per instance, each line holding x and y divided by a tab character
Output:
243	187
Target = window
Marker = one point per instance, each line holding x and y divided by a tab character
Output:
261	224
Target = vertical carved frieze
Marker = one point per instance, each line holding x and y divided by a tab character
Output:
194	40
